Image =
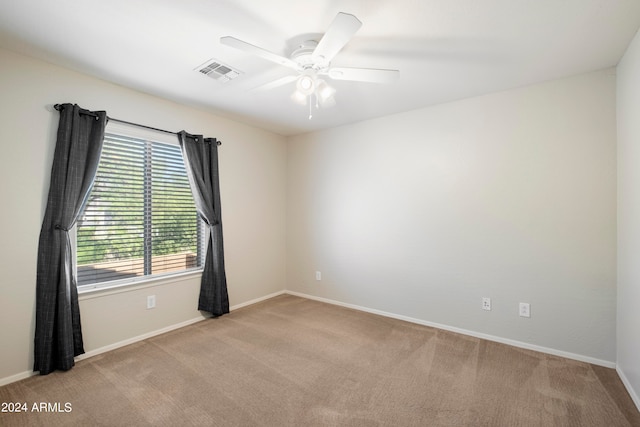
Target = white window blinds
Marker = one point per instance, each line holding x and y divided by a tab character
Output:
140	219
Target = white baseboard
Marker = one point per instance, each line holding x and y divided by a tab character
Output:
16	377
487	337
138	338
106	348
257	300
627	384
167	329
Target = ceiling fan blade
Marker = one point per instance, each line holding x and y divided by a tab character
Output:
371	75
342	28
258	51
276	83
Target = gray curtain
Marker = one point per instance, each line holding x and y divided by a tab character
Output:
201	161
58	336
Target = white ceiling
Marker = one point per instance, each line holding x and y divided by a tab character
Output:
445	49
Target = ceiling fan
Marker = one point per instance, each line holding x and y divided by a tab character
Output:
312	59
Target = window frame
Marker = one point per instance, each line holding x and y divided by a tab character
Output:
128	131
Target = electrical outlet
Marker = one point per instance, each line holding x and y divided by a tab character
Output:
525	309
151	301
486	303
318	276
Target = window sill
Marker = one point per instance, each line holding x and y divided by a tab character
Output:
95	291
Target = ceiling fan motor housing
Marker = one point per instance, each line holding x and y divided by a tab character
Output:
303	56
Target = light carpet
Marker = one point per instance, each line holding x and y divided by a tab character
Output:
290	361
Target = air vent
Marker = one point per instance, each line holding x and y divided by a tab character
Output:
218	71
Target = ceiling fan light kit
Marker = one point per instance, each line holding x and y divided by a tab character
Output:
306	84
310	89
324	91
313	58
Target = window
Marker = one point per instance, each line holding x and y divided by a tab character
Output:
140	219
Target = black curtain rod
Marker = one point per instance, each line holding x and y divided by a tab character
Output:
89	113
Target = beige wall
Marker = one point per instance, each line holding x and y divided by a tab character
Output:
510	196
628	332
252	165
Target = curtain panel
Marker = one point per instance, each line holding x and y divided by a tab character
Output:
201	161
58	334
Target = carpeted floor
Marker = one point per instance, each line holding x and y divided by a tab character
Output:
290	361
